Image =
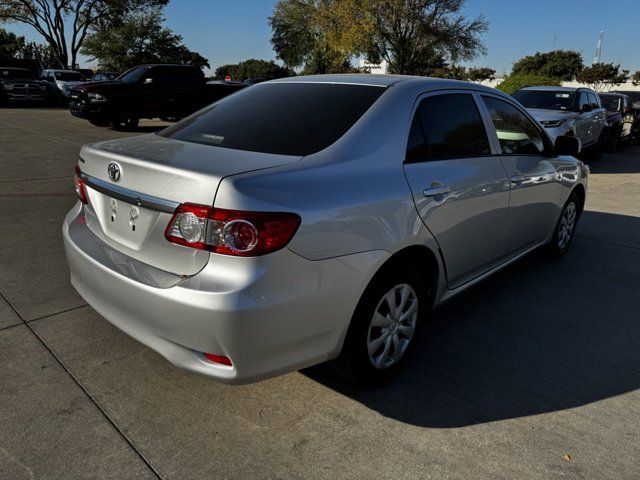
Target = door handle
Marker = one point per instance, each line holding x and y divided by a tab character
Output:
517	178
436	191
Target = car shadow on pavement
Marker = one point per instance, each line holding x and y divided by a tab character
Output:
626	160
540	336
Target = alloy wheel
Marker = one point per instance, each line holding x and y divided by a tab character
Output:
567	225
392	326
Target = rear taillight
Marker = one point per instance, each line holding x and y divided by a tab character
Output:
79	185
232	232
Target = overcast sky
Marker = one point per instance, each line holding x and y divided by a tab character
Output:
231	31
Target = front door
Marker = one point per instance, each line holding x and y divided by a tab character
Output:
534	184
460	190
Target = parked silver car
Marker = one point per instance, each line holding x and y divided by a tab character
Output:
311	218
63	80
567	111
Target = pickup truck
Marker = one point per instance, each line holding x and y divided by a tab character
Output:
568	111
169	92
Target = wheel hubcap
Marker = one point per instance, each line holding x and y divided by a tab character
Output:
392	326
567	225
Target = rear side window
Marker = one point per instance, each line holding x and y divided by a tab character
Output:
452	128
516	133
280	118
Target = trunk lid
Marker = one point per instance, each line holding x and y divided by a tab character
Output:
156	174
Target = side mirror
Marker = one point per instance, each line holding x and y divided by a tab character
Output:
636	105
568	145
148	81
587	107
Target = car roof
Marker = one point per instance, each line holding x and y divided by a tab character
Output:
555	89
377	80
613	94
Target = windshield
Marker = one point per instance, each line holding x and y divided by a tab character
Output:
280	118
611	103
134	75
69	76
547	100
15	73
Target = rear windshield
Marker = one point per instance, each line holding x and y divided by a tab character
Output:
280	118
69	76
548	100
611	103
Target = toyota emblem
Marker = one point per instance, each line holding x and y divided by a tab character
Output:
114	171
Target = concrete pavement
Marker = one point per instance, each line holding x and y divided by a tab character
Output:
540	361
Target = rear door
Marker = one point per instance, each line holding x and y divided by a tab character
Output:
535	191
460	190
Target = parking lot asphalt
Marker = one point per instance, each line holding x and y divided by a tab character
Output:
532	374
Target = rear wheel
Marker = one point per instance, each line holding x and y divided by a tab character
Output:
383	328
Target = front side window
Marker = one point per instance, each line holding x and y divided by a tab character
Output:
281	118
452	128
584	100
516	133
593	100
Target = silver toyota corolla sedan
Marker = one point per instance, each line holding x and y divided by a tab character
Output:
314	218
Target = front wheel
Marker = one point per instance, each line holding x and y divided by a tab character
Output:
566	227
383	328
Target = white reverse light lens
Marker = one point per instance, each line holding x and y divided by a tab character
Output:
240	235
191	227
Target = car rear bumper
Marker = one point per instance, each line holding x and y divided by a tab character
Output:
269	315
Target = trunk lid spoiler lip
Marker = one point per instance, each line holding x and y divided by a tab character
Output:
130	196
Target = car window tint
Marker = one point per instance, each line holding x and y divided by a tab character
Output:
416	145
281	118
593	100
516	133
453	127
584	100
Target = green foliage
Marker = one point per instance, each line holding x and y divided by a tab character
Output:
475	74
413	36
635	78
253	68
455	72
13	46
513	83
600	76
410	34
562	64
64	24
303	36
138	38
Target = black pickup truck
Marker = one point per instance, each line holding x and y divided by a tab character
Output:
169	92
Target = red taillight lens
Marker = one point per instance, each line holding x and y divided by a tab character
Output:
79	186
231	232
221	359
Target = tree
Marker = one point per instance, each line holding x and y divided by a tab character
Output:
136	38
635	78
13	46
513	83
413	36
475	74
304	36
65	24
253	68
601	76
410	33
562	64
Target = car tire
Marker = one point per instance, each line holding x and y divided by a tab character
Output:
566	227
124	123
381	336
